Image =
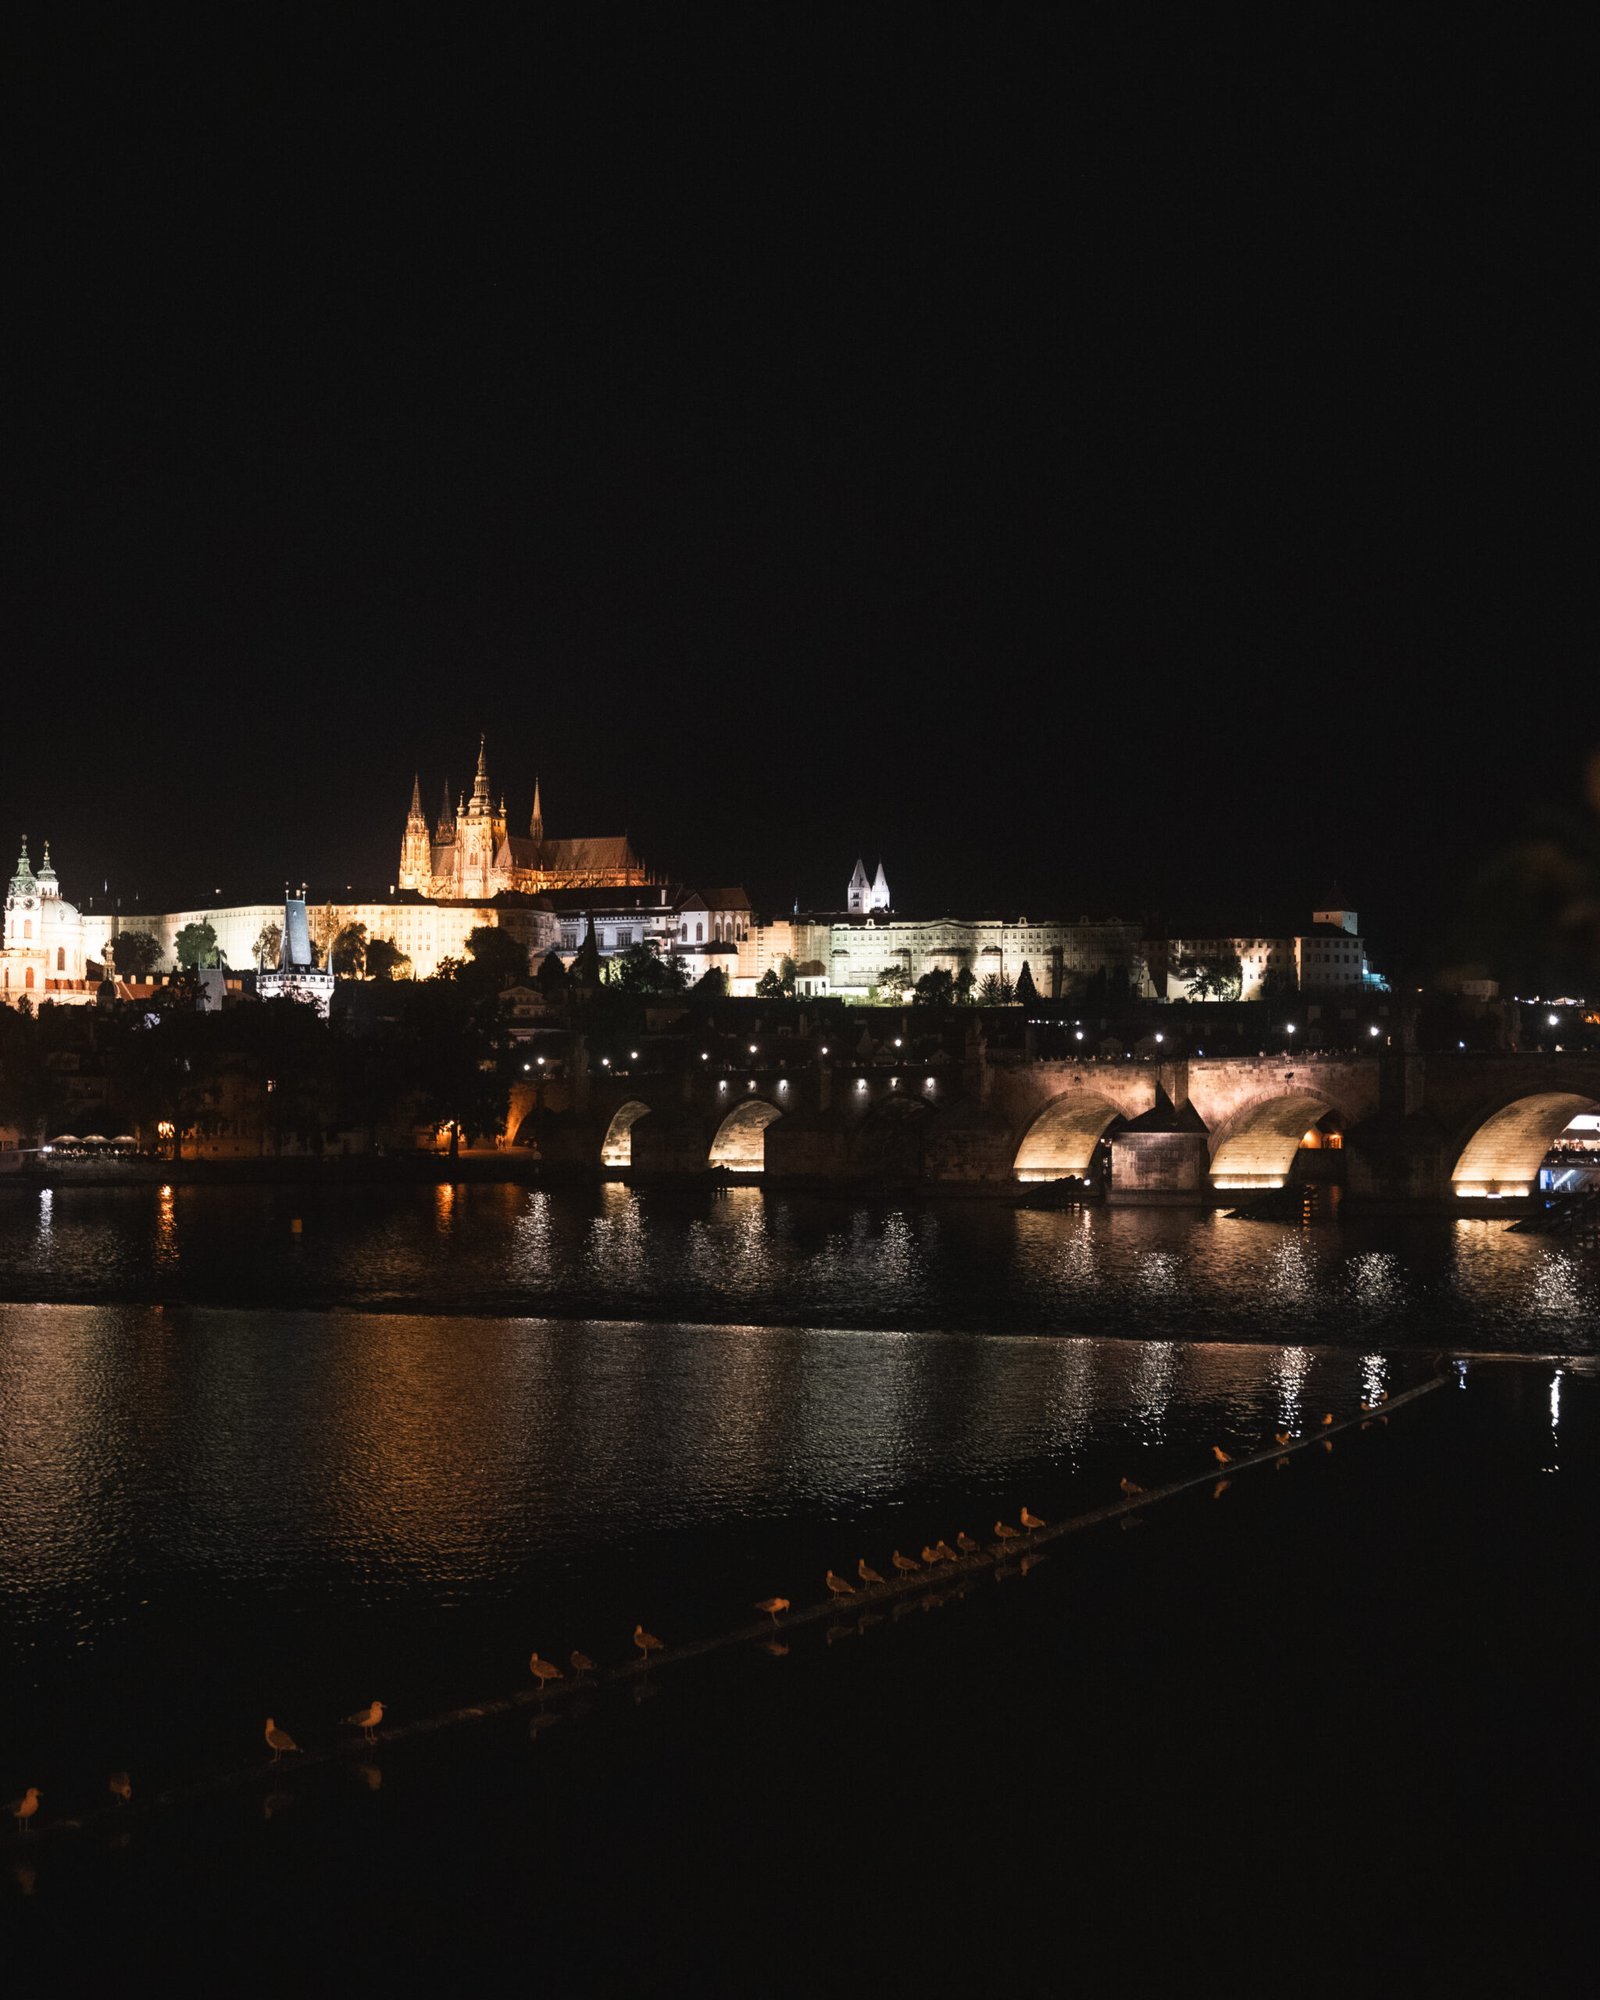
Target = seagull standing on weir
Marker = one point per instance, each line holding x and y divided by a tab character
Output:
772	1606
366	1720
838	1586
544	1671
23	1809
866	1572
647	1643
279	1740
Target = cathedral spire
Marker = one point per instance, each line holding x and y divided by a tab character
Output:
23	880
416	796
536	824
446	829
480	784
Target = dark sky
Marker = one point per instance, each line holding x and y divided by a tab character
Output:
1099	467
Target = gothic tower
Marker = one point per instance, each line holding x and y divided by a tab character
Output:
416	853
858	897
536	824
475	836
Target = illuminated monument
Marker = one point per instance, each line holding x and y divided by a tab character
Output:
468	856
297	975
44	955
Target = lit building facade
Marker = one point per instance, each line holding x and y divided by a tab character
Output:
46	953
468	855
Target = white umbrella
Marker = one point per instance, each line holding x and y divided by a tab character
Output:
95	1139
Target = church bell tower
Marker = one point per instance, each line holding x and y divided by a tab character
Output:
416	854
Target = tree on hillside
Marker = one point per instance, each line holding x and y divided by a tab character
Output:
135	954
196	946
269	942
710	987
1218	976
965	980
497	958
385	960
994	991
935	989
1027	992
347	955
641	970
27	1084
448	1058
892	982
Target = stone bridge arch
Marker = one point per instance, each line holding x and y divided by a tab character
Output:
1501	1152
1255	1148
616	1148
740	1142
1061	1141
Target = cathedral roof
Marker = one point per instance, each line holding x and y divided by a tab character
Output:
592	855
716	899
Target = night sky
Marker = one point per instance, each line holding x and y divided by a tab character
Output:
1101	466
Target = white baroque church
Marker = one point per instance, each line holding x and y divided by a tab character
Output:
44	956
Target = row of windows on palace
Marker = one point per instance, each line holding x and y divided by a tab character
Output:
619	937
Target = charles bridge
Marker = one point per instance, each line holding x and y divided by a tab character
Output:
1392	1127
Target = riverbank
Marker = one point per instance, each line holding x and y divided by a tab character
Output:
294	1170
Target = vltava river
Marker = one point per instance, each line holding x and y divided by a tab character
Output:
780	1259
244	1471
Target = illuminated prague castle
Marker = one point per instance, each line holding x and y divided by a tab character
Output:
468	856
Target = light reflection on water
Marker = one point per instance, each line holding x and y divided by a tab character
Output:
744	1255
203	1509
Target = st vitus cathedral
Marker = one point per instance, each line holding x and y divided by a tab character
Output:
467	856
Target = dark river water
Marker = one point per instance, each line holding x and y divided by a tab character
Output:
761	1259
245	1470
